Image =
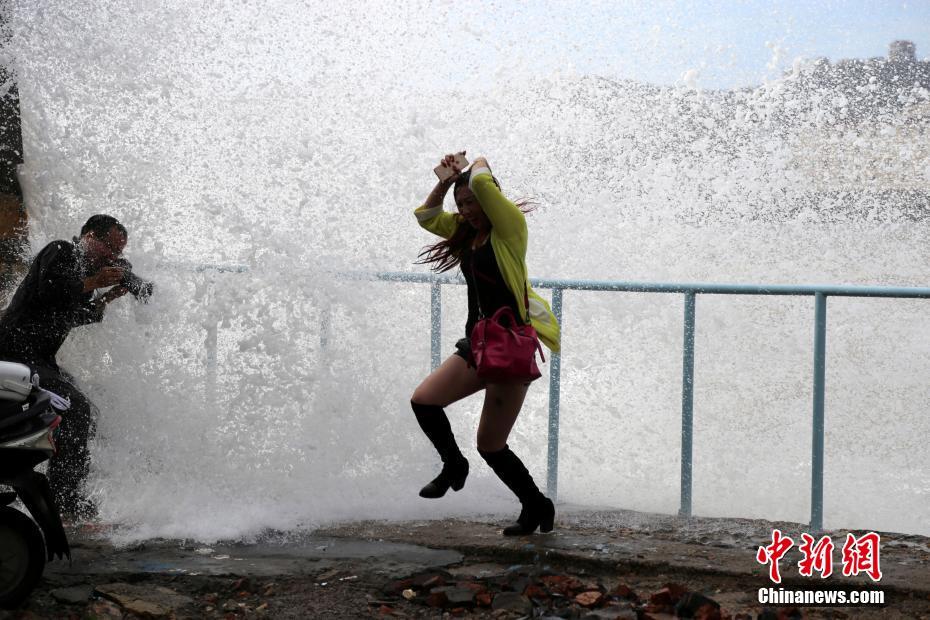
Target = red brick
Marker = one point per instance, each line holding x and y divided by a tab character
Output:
591	598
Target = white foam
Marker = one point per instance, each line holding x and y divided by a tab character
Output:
297	141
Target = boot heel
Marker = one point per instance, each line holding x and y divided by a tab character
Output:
459	481
547	518
435	489
446	480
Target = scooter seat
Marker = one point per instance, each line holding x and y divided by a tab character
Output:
22	418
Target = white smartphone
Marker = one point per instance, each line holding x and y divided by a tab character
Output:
444	172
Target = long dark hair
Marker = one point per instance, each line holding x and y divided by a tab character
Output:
447	254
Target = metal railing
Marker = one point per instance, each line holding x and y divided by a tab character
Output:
690	291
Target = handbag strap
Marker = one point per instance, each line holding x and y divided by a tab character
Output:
474	278
526	304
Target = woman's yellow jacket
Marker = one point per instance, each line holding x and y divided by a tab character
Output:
509	240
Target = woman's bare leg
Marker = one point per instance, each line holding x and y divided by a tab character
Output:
502	404
452	381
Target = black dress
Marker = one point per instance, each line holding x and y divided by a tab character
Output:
485	284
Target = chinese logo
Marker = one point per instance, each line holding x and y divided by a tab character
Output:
859	555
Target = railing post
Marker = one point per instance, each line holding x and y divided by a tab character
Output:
820	365
687	407
555	382
210	383
210	345
435	325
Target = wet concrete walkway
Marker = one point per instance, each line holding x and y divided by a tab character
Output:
278	555
420	569
604	540
650	542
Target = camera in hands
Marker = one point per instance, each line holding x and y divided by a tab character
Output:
140	288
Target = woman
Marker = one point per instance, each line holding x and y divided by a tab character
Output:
487	239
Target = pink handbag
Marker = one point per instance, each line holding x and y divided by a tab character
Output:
505	350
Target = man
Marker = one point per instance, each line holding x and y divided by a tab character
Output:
56	296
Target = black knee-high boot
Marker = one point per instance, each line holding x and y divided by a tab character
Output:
435	425
537	509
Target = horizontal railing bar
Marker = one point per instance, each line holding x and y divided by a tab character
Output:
422	278
832	290
199	267
673	287
738	289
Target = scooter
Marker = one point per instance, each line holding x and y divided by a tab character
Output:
28	420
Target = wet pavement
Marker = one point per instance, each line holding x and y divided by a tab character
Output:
291	555
652	542
344	570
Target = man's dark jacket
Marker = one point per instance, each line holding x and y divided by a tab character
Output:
49	302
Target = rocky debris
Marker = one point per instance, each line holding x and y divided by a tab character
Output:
623	591
437	599
527	592
75	595
589	598
696	605
104	610
431	582
521	591
561	585
457	596
146	602
611	612
665	599
512	601
243	584
328	575
218	598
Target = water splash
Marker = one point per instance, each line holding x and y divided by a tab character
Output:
296	142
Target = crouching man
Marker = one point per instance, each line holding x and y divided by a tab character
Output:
57	295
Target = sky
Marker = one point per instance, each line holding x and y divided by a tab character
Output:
718	44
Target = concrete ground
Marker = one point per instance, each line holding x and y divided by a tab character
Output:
622	564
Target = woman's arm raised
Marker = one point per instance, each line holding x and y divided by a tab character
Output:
505	216
430	215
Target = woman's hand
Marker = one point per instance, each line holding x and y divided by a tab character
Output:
449	162
439	192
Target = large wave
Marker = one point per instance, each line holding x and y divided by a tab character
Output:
289	146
